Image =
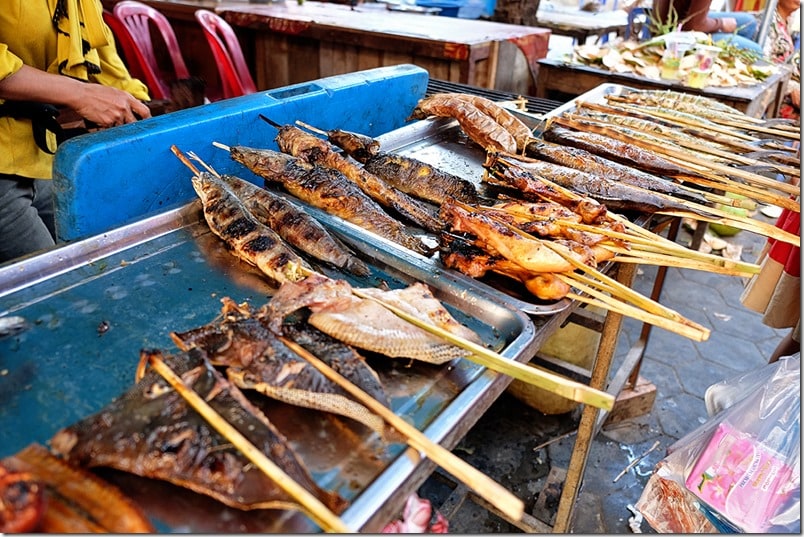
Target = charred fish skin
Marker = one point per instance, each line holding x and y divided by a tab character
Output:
419	179
583	160
329	190
152	431
295	226
251	240
316	151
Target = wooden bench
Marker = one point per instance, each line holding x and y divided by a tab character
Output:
582	24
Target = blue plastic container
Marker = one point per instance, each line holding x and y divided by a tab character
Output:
449	8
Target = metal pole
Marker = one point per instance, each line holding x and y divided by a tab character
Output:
767	19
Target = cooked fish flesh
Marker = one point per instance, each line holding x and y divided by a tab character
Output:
295	226
151	431
252	241
329	190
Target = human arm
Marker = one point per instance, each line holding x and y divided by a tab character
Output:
696	18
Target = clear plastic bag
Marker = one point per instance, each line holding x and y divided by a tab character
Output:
740	469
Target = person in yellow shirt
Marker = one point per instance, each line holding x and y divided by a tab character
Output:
53	54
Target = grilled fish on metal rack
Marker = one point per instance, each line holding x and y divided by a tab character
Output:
294	225
364	323
248	238
583	160
151	431
256	360
327	189
314	150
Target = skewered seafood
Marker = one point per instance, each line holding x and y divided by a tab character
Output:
366	324
255	359
68	499
294	225
479	126
616	196
22	501
498	239
327	189
585	161
249	239
407	174
152	431
316	151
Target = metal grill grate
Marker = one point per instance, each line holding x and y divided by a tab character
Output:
534	105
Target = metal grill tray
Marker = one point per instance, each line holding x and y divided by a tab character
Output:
90	306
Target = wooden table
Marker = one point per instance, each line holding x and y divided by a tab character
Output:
581	25
563	81
295	43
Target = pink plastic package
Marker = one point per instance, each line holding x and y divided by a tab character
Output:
741	478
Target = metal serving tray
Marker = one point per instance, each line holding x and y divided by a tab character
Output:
92	305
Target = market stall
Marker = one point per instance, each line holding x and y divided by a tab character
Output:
134	275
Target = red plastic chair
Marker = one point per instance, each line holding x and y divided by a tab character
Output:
137	19
235	77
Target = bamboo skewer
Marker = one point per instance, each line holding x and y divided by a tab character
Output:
483	485
710	180
316	510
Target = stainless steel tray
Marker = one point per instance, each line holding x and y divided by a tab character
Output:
90	306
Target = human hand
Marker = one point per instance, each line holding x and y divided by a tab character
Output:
795	97
107	107
728	24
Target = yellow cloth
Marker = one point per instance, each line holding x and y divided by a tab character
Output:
40	46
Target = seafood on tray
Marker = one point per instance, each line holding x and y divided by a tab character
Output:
364	322
153	432
255	359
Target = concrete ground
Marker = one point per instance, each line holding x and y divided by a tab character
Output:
519	446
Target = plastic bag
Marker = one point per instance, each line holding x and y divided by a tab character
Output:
740	469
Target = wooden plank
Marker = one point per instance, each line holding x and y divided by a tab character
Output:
633	402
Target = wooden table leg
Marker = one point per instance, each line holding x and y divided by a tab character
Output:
586	428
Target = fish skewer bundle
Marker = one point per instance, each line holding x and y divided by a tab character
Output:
327	189
407	174
318	152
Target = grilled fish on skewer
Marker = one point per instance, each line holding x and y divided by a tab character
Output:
248	238
477	125
406	174
314	150
327	189
294	225
255	359
152	431
364	323
617	196
580	159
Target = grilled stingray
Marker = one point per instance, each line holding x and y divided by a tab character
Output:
329	190
251	240
151	431
366	324
314	150
256	359
294	225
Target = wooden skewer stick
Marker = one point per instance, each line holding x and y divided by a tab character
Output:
317	511
746	223
636	461
486	487
557	384
711	180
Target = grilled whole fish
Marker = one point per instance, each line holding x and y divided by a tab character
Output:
327	189
151	431
256	359
249	239
295	226
366	324
616	196
615	150
406	174
314	150
583	160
